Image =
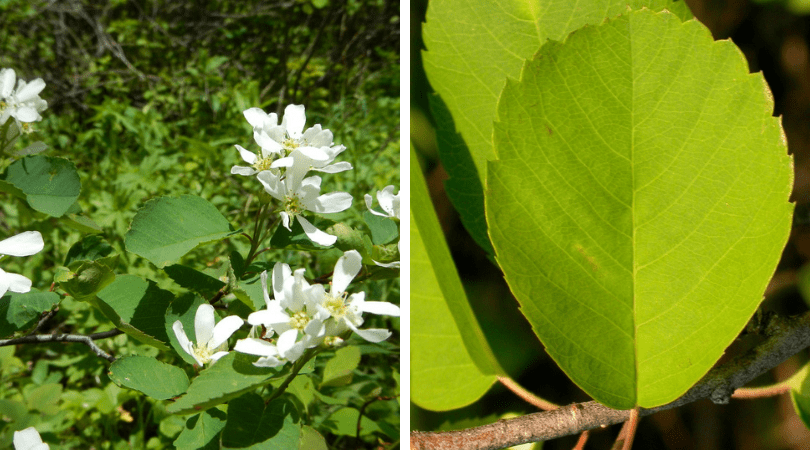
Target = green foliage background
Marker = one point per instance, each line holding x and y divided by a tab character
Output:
146	98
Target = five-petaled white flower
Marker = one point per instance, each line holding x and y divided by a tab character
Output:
347	310
279	141
298	195
22	103
29	439
24	244
298	323
212	337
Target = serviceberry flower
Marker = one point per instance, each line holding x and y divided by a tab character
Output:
26	243
22	103
346	309
298	323
299	195
279	141
29	439
212	337
388	202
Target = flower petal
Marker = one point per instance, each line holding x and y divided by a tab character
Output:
204	322
247	156
253	346
315	235
18	283
30	90
372	334
380	308
182	339
28	439
334	168
294	120
331	203
26	243
224	329
346	268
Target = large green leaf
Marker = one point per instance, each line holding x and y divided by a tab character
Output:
167	228
451	362
640	202
136	307
50	185
252	424
472	48
150	376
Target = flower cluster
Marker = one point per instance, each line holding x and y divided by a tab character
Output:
287	154
21	102
306	316
302	315
24	244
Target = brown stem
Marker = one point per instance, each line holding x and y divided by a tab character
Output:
527	396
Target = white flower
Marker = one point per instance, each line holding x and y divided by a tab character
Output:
347	310
278	142
299	195
26	243
212	337
22	103
29	439
388	202
298	323
268	351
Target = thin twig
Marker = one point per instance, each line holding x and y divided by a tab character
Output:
525	395
82	339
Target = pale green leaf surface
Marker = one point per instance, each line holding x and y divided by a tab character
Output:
451	363
202	431
472	48
150	376
136	307
340	368
167	228
640	202
311	439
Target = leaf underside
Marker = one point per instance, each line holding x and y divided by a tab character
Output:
639	205
472	48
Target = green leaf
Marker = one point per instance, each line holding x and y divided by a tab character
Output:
800	393
202	431
84	279
18	311
194	280
230	377
44	398
472	48
50	185
254	425
451	362
339	369
383	229
343	422
136	307
90	248
639	205
167	228
311	439
150	376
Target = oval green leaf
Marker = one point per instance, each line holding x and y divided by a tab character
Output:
51	185
451	362
472	48
640	202
150	376
167	228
